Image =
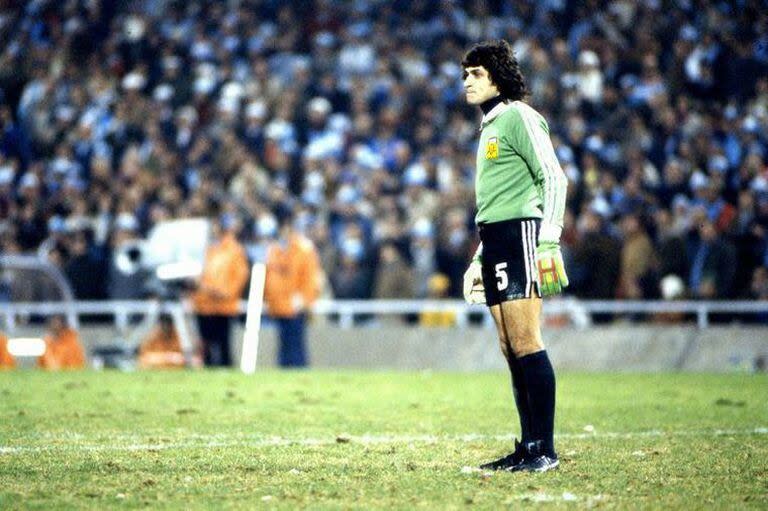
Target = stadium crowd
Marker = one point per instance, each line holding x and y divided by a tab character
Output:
117	115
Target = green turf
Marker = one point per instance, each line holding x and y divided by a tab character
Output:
336	440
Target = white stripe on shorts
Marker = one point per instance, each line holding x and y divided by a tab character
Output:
524	231
532	255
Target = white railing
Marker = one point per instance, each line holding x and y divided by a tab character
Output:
578	311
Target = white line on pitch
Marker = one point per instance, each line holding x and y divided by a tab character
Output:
221	440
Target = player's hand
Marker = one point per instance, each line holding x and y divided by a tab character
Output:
549	262
474	292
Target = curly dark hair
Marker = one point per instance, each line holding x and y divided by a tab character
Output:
497	57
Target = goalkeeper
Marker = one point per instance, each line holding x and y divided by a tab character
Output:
520	191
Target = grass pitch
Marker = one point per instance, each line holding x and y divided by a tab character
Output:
287	440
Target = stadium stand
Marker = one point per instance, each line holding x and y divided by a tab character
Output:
115	116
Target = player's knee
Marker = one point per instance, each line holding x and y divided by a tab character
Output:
527	345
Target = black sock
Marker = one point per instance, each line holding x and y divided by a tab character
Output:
540	381
520	391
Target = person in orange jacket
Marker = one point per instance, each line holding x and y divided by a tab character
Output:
6	359
62	347
225	274
162	348
292	284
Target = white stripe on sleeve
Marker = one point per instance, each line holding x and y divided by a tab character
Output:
555	182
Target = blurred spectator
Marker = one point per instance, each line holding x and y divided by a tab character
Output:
62	347
637	260
350	280
81	267
758	290
163	110
162	348
759	287
454	249
292	285
713	264
216	300
6	359
423	251
672	256
394	278
590	78
749	239
438	287
596	258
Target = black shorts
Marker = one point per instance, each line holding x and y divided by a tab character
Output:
509	259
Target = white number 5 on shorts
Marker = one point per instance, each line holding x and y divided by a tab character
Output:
502	276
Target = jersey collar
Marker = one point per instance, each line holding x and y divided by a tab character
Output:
495	112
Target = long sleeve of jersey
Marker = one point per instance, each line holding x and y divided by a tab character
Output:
529	135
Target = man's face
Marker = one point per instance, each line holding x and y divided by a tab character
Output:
478	85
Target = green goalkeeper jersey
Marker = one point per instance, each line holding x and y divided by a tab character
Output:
518	175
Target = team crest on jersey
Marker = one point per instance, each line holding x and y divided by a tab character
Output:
492	148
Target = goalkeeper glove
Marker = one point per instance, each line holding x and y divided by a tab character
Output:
474	292
549	262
